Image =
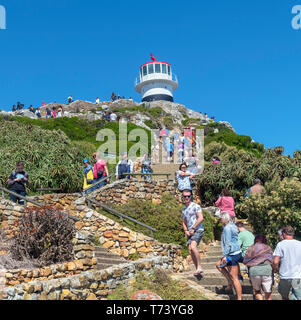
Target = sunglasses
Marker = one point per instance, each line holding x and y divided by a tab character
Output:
187	196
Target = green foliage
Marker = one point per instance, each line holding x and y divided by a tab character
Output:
230	138
166	218
160	283
151	124
50	158
168	122
79	130
278	206
238	170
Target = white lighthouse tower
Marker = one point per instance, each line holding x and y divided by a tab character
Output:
156	81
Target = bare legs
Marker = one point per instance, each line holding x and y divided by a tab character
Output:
195	255
231	274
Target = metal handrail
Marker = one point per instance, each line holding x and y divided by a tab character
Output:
98	182
26	199
148	174
121	215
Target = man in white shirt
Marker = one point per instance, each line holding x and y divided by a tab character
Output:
193	228
113	116
288	253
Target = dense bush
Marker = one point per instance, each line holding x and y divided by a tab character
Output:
166	218
278	206
44	236
238	169
230	138
50	158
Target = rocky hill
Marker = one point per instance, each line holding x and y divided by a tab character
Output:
148	115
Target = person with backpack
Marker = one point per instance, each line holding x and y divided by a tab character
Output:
125	165
38	113
18	181
100	171
146	166
89	175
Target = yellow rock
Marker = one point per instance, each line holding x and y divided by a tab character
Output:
71	266
66	294
92	296
108	244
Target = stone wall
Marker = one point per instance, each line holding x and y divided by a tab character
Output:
91	227
120	192
89	285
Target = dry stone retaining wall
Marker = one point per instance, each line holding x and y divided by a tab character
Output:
89	285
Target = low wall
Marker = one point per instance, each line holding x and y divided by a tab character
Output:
91	228
89	285
120	192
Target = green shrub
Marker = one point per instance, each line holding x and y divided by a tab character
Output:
166	218
230	138
278	206
168	122
160	283
50	158
238	170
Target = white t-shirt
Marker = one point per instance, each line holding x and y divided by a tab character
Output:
190	215
289	252
113	117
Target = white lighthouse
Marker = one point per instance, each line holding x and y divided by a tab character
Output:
156	81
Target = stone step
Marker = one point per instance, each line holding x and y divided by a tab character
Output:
246	289
222	281
106	255
210	259
100	249
251	297
208	265
212	265
101	266
110	261
214	254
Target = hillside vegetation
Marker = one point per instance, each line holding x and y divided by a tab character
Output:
166	218
50	158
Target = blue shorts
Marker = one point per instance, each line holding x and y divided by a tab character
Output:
235	260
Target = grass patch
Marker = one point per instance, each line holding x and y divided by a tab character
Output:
166	218
160	283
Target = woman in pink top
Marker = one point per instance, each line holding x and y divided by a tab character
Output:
226	203
100	170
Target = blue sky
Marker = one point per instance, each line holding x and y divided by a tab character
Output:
237	60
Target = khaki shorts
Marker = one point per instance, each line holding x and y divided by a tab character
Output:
262	282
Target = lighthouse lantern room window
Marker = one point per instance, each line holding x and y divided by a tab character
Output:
144	71
150	68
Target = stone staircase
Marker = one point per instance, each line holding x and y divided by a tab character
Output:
106	259
165	168
213	281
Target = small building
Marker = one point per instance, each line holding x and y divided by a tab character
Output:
156	81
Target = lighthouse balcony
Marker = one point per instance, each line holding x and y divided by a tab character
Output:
152	78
